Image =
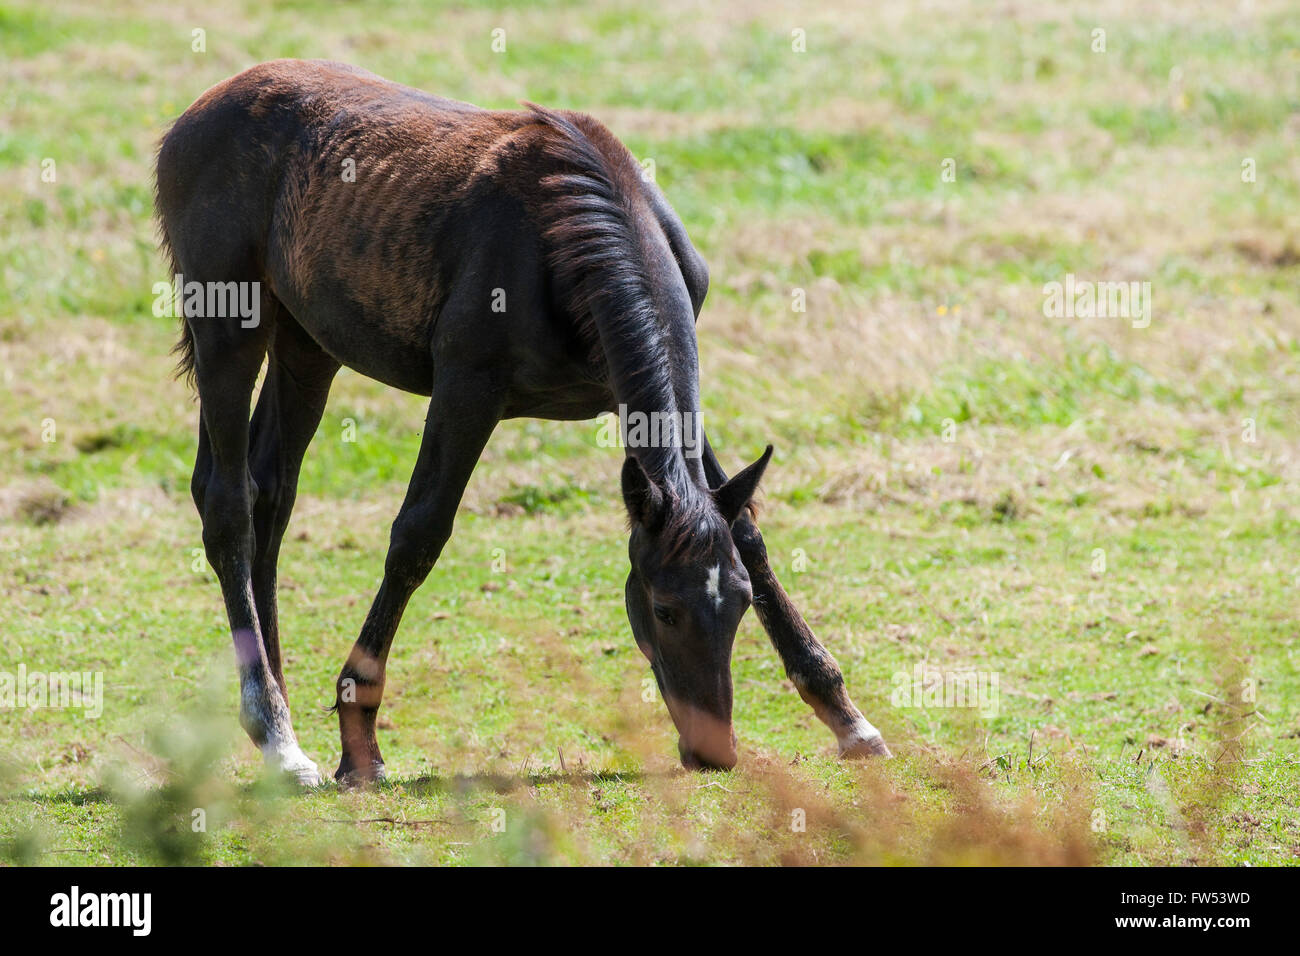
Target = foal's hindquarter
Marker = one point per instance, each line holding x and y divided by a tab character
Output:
404	236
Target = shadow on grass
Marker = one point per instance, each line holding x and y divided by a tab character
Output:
508	783
416	786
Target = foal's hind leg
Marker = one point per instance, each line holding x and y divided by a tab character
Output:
462	413
810	667
227	360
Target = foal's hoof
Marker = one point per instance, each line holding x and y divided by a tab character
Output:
358	778
291	761
863	741
861	749
308	777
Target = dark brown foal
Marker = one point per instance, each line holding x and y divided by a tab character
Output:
504	263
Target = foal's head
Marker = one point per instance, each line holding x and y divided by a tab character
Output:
685	595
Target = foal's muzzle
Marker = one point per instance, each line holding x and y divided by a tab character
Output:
706	742
696	760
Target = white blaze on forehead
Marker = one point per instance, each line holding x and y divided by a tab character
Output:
711	586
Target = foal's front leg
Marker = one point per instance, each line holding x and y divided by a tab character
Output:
462	413
810	667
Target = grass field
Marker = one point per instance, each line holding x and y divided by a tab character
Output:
1097	514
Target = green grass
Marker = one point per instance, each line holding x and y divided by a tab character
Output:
1099	517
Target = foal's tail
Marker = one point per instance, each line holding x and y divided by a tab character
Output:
185	346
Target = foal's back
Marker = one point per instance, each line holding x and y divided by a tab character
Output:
361	203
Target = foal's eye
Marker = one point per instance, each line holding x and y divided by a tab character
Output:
664	614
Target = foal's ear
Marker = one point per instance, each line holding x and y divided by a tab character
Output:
644	500
735	494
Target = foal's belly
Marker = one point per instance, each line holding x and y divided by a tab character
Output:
546	382
375	352
376	339
574	403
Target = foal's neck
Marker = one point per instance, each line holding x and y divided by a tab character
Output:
662	424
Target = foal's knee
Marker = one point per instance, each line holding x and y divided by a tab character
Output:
413	548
